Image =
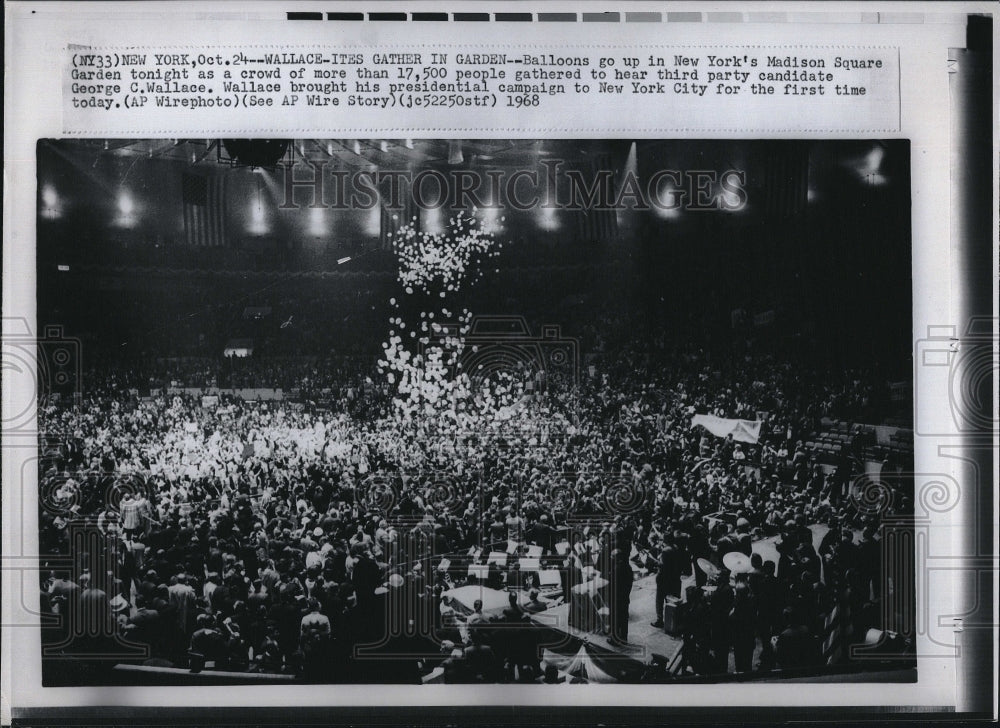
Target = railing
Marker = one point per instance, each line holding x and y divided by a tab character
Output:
148	673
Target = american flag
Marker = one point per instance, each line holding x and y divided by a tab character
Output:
599	223
204	209
787	179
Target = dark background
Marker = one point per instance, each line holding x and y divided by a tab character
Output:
823	242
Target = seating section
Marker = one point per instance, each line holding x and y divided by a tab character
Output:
837	438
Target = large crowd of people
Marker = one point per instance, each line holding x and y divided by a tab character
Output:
380	492
322	535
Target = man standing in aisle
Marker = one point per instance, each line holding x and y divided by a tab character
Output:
668	578
621	594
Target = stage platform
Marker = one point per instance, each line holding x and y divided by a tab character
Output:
643	639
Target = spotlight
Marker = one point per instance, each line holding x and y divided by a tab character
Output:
126	209
49	196
125	204
373	220
547	219
491	219
258	220
868	167
317	222
873	160
433	220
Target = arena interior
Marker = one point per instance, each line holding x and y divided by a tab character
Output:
290	439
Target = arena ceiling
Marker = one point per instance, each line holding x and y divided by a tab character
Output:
357	153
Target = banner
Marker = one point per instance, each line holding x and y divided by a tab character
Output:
741	430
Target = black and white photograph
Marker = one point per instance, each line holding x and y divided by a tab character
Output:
475	411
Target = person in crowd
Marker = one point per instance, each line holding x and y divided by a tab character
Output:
182	601
477	622
481	664
620	591
207	642
696	655
314	624
720	607
796	646
534	604
743	626
668	578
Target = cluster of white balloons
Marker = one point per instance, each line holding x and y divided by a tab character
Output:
427	378
422	358
441	263
425	359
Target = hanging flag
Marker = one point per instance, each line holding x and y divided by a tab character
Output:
204	209
598	220
786	179
838	631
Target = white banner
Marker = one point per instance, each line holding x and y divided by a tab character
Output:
741	430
